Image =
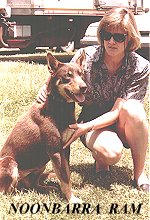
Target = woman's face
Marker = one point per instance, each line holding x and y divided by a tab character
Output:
114	48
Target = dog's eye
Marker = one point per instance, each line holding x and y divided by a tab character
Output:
70	74
65	80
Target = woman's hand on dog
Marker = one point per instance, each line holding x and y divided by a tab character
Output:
42	94
80	129
104	120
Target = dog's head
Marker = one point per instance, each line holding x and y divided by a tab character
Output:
67	78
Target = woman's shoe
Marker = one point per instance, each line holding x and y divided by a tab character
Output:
144	187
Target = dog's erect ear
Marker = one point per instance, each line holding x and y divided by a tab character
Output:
48	85
53	64
81	60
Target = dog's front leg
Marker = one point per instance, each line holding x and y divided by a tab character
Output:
67	154
62	171
61	168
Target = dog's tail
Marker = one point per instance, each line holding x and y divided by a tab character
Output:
8	174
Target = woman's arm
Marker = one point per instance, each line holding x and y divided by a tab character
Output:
42	94
104	120
108	118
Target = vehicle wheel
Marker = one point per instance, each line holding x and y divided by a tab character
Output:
29	49
69	47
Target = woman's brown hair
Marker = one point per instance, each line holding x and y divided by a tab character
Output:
121	18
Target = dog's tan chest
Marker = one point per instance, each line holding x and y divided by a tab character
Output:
66	134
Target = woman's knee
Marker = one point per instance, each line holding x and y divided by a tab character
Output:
133	111
112	156
108	148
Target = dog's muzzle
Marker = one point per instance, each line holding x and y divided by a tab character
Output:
77	97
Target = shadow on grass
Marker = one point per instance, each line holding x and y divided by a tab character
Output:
118	175
50	188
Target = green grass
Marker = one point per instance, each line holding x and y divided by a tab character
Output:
20	83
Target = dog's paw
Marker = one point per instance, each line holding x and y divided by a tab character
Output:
75	199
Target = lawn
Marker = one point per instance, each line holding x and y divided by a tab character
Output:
20	83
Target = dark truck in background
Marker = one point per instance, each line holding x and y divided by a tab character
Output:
28	24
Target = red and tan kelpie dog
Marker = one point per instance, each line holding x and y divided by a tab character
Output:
39	136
